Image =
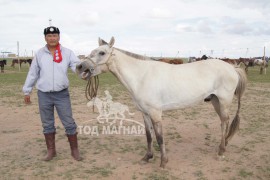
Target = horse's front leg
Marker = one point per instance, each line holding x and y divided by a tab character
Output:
156	121
149	153
161	143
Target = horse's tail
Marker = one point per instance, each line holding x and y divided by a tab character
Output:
239	91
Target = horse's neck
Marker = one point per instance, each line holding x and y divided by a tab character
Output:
125	68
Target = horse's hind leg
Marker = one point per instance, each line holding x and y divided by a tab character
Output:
148	125
222	112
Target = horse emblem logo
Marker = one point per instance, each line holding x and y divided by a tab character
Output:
108	110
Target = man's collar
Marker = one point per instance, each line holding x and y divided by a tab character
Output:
47	49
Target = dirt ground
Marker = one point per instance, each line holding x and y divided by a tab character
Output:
192	137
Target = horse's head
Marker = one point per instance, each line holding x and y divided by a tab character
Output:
96	62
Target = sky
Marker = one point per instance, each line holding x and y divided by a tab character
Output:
159	28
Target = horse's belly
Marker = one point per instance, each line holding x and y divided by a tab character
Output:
182	103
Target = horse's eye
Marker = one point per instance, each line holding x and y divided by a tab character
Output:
101	53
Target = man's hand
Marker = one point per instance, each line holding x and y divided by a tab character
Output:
27	99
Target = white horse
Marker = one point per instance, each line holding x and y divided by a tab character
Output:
156	87
262	63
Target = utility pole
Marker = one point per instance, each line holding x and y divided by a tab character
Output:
263	66
50	22
212	52
264	53
246	52
18	54
176	54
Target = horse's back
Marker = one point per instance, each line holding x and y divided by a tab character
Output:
196	70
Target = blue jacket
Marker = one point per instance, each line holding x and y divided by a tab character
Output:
48	75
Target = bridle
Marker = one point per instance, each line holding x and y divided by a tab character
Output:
93	83
96	64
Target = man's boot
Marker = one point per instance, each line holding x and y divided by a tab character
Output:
50	142
74	146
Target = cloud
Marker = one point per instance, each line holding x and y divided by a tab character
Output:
203	26
147	27
184	28
223	25
262	6
240	28
267	44
4	2
8	2
160	13
91	18
20	15
67	40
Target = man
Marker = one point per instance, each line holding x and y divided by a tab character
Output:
49	72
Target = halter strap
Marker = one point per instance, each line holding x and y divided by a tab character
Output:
96	64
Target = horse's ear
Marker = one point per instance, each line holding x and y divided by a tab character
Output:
101	42
111	43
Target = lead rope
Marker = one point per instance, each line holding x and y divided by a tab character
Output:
93	83
92	88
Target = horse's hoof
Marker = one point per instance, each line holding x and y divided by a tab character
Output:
221	158
163	163
148	155
146	158
221	151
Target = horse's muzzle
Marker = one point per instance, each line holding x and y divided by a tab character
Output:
84	70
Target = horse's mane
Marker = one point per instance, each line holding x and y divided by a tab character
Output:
137	56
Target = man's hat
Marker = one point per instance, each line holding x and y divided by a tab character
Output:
51	30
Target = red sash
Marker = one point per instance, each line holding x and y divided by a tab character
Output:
57	54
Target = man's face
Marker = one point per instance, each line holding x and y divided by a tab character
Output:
52	39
